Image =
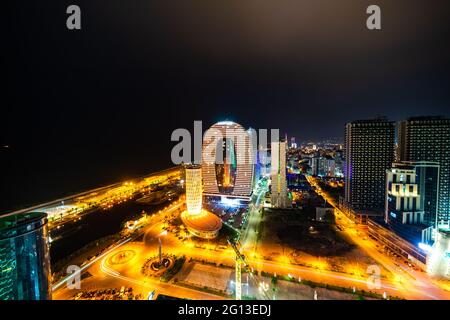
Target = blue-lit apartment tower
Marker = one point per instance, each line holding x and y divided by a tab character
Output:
24	257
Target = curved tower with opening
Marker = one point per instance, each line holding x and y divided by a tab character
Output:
227	160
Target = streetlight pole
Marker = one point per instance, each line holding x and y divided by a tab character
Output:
160	250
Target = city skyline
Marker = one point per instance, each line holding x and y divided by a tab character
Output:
116	91
59	184
239	151
369	155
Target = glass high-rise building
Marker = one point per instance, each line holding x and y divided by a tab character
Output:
369	152
428	139
24	257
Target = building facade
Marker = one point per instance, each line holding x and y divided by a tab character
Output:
428	139
264	161
228	162
194	191
293	143
411	198
24	257
198	221
369	152
323	166
279	196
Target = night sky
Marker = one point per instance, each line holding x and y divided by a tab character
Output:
89	107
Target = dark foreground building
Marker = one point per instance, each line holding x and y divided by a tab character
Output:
369	152
24	257
428	139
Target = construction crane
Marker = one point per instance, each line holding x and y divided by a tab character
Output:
240	261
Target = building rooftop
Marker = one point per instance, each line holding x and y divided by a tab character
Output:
204	222
424	118
21	219
374	120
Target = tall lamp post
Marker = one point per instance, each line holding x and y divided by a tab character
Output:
160	245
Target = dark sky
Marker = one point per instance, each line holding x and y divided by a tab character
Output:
83	108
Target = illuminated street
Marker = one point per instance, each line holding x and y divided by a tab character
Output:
142	243
411	284
105	275
247	152
74	207
249	237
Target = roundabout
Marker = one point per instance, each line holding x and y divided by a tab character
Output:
122	257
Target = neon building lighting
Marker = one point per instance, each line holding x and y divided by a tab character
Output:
227	161
194	189
198	221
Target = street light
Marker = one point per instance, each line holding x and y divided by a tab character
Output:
164	233
263	287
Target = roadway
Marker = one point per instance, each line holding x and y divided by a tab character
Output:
249	238
103	275
411	284
69	208
129	274
400	282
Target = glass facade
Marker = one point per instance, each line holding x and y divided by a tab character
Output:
226	165
428	176
411	200
24	257
428	139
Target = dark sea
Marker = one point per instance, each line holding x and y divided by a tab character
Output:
36	174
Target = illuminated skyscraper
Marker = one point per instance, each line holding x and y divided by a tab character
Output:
428	139
293	143
369	152
24	257
264	161
198	221
279	197
227	161
194	189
